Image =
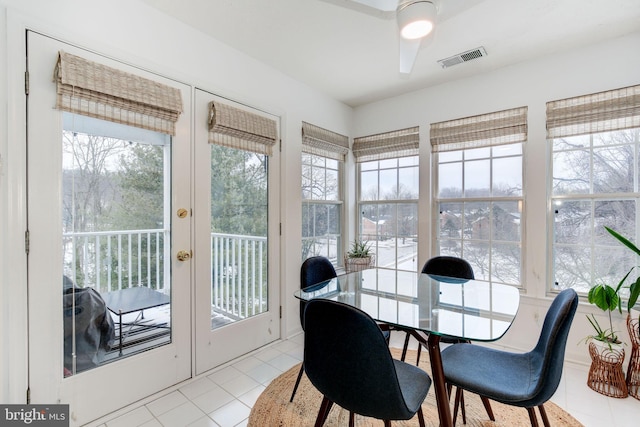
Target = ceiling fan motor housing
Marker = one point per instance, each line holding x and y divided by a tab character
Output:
416	19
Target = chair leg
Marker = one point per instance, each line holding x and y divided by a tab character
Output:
295	387
455	407
325	407
487	407
387	423
462	410
351	419
406	346
532	417
543	414
419	351
421	417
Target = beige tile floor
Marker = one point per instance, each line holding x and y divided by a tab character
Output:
224	396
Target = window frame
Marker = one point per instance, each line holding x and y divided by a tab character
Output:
601	119
490	199
338	203
599	241
362	204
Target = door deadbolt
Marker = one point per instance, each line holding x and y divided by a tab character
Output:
183	255
182	213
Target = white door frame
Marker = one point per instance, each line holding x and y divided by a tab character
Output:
99	391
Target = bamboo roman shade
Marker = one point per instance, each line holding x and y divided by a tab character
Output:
599	112
96	90
500	127
388	145
323	142
240	129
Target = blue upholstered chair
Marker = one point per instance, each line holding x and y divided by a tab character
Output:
526	380
447	266
347	358
456	268
315	269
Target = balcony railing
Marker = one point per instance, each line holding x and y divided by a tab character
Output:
239	275
111	260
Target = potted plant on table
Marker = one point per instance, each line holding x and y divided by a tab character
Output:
607	299
359	257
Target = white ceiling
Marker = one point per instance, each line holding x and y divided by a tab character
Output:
353	56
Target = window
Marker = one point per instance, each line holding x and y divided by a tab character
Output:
241	143
479	192
388	196
594	143
322	195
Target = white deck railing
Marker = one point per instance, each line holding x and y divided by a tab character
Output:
238	274
111	260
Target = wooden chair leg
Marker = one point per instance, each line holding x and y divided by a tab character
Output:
543	414
456	406
295	387
532	417
325	407
487	407
406	346
351	419
421	417
462	410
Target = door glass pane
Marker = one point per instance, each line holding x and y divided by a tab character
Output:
239	202
116	241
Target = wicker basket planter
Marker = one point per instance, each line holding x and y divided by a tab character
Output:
358	264
605	375
633	370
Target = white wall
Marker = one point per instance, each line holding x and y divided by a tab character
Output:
134	33
609	65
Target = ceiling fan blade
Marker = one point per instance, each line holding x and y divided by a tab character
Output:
385	9
408	53
383	5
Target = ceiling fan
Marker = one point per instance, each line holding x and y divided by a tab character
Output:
416	20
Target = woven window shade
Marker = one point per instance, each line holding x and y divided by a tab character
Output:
240	129
91	89
389	145
599	112
501	127
323	142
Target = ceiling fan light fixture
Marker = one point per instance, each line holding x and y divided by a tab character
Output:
416	19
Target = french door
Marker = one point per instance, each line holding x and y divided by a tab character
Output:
236	217
109	266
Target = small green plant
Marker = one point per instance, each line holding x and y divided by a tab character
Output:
359	249
607	298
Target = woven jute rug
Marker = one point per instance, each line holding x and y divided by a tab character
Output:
274	409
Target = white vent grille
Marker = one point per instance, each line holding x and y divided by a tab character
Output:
462	57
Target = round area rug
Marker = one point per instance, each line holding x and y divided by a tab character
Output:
274	409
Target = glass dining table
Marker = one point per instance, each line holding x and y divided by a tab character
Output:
439	306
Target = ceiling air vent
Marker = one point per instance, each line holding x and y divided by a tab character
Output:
463	57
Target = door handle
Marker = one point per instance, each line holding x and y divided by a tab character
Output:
183	255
